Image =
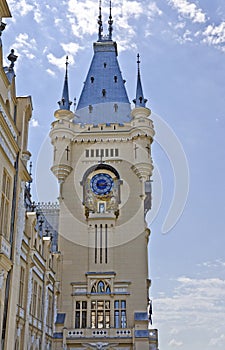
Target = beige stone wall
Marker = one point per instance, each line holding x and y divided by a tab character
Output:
84	231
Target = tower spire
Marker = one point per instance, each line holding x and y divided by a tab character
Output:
100	28
110	21
65	102
140	101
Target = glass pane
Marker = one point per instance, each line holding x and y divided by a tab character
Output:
108	290
77	319
123	319
77	304
107	319
107	304
93	322
93	305
100	319
116	304
123	304
101	287
100	305
84	305
116	319
84	319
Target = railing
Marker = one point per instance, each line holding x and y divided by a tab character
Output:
99	333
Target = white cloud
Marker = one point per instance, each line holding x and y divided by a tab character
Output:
23	41
175	344
154	10
38	16
189	10
50	72
194	303
217	341
215	35
71	48
34	123
55	61
21	6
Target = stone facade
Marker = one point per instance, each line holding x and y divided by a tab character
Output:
74	275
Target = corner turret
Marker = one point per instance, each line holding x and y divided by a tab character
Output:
64	104
139	101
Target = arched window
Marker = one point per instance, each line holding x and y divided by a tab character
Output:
101	287
93	289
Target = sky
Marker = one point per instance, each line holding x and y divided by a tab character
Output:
182	49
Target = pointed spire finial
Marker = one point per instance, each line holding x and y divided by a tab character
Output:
140	101
67	63
110	21
65	101
100	28
138	63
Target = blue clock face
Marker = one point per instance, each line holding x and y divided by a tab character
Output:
101	184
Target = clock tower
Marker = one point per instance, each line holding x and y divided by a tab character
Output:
102	160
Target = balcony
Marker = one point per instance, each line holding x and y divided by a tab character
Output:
5	247
99	333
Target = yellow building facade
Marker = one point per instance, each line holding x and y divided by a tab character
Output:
74	275
27	278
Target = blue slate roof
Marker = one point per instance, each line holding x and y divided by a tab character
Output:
104	98
60	318
140	316
141	333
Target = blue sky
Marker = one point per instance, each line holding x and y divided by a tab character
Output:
182	49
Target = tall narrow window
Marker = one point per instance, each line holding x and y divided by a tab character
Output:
100	314
21	288
101	244
96	243
39	303
34	299
120	317
81	314
50	311
5	201
106	244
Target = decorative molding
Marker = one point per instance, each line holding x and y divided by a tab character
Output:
8	152
8	122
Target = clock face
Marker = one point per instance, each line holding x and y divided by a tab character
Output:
101	184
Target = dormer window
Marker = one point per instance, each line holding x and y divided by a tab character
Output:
115	78
105	64
103	92
92	80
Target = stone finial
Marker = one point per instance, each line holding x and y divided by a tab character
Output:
12	58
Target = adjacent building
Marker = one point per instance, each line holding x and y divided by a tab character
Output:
27	277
